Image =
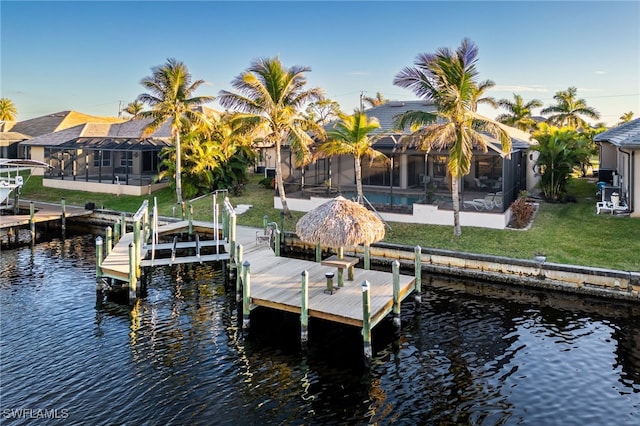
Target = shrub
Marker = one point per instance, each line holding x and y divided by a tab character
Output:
268	182
521	211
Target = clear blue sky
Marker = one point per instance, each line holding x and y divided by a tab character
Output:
88	56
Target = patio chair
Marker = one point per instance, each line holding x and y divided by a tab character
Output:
486	203
479	184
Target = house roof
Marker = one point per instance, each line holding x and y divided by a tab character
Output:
626	135
132	129
387	113
115	144
55	122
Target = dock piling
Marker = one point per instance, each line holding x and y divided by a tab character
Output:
366	321
63	216
238	275
32	221
133	279
99	257
396	294
246	295
109	238
304	309
418	275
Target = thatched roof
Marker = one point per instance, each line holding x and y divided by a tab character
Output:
339	223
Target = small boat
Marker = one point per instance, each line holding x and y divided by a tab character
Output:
17	167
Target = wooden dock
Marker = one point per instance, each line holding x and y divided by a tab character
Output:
43	212
265	279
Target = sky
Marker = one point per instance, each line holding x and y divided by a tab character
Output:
90	56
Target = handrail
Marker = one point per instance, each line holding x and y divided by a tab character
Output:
138	214
376	212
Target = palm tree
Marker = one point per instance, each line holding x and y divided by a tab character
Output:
134	109
626	117
171	98
448	79
375	101
477	98
8	110
271	98
568	110
350	136
519	115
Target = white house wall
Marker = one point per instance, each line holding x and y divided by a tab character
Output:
636	184
422	214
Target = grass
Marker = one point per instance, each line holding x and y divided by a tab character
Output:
570	233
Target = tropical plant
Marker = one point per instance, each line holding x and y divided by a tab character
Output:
626	117
519	113
214	157
134	109
270	98
521	210
375	101
448	78
561	151
568	110
350	136
171	99
8	110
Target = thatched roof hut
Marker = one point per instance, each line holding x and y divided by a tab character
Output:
339	223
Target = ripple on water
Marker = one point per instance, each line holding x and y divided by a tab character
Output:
179	356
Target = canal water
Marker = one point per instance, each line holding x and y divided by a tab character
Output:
469	354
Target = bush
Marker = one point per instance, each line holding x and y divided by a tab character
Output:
268	182
521	211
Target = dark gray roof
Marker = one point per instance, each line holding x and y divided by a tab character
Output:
626	135
132	129
115	144
387	113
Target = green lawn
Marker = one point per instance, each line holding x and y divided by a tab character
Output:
569	233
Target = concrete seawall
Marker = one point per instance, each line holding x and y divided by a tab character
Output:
607	283
599	282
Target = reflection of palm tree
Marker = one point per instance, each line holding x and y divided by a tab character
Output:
171	99
8	110
519	115
375	101
350	137
448	79
270	97
568	110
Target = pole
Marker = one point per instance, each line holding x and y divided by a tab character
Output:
109	238
318	253
366	321
99	257
304	309
396	294
132	274
418	274
232	235
32	221
63	216
367	257
246	295
238	275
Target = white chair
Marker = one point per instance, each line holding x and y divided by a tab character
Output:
486	203
479	184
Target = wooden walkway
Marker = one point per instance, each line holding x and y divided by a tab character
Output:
44	212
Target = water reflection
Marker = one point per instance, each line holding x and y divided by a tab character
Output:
469	354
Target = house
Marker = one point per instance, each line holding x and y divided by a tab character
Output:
14	132
418	181
101	157
620	163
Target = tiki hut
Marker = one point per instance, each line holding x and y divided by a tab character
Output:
339	223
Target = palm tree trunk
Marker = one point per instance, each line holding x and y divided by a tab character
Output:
358	170
457	230
279	182
178	168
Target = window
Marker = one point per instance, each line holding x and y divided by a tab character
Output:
126	162
106	158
